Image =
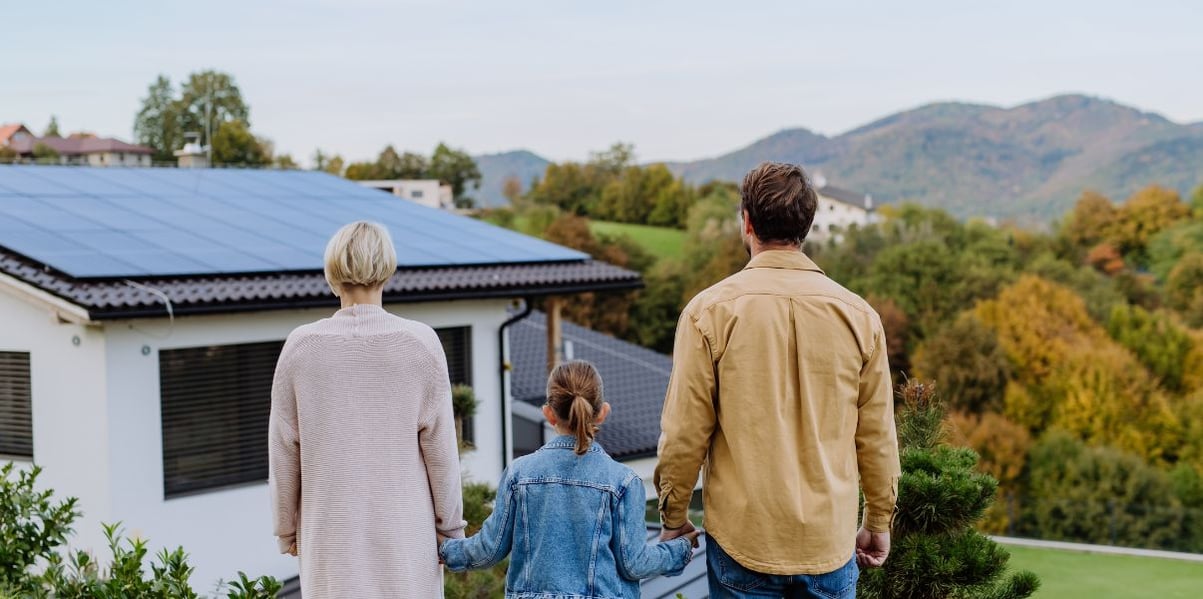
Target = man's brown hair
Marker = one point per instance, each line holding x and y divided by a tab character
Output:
780	202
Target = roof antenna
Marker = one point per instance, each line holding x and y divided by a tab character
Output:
159	293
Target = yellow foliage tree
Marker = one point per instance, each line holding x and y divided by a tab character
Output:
1002	446
1069	374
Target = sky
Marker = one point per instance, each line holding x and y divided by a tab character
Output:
679	80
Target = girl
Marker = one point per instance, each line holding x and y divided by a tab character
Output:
572	517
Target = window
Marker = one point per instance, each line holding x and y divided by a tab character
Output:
416	194
457	344
16	419
215	406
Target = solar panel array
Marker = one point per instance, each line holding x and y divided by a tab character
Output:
123	222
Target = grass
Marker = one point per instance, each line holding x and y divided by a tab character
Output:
661	242
1074	575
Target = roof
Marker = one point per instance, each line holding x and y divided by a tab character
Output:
70	146
634	379
690	583
7	130
846	196
85	234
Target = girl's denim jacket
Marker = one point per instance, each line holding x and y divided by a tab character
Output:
574	527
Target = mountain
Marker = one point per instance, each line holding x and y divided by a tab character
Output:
496	168
1028	162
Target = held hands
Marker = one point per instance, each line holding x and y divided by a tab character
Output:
292	549
872	548
688	531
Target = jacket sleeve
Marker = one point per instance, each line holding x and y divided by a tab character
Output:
636	557
877	439
284	454
440	451
687	422
495	539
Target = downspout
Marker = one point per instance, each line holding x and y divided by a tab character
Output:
528	307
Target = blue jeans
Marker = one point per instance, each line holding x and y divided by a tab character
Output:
729	580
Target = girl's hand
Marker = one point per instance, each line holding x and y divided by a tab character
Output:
292	549
693	537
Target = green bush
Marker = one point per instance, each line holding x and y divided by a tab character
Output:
34	527
936	553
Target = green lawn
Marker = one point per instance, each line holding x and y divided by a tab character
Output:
661	242
1073	575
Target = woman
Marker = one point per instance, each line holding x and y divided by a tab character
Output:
364	462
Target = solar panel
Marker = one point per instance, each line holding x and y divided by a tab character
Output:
121	222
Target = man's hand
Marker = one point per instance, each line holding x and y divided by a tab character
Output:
688	531
872	548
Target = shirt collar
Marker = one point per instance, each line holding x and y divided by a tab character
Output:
569	442
786	259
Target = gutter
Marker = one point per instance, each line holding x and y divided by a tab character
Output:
502	367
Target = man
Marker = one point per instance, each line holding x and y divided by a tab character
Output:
781	387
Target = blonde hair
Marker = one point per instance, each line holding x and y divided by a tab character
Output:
574	392
360	253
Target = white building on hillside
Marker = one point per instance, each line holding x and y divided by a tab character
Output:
838	209
427	192
142	312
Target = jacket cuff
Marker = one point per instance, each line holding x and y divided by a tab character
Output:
672	515
875	522
453	557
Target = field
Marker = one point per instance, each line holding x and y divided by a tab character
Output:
661	242
1073	575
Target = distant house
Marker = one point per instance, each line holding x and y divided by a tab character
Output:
79	149
143	310
427	192
13	132
839	209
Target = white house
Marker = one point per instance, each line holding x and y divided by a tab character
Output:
838	209
142	310
427	192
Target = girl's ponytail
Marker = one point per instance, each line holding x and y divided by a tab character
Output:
574	392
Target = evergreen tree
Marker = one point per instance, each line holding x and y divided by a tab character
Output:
936	552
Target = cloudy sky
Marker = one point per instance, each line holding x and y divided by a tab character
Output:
680	80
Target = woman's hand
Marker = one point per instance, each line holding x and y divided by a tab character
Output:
292	549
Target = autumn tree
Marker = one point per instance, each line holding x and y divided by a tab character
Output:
968	363
1069	374
511	188
1145	214
1091	222
1002	447
1155	339
1184	288
1196	203
285	162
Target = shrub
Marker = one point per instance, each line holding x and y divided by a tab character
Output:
34	527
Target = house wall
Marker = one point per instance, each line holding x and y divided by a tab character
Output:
230	529
832	216
70	432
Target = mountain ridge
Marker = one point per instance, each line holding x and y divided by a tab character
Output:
1028	162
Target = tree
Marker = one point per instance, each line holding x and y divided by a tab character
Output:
1105	259
286	162
1168	247
1156	340
8	155
1145	214
158	122
44	154
936	553
1184	288
455	168
511	188
210	97
1196	203
1003	449
898	332
409	165
363	171
1098	495
233	144
52	128
967	362
1091	222
566	186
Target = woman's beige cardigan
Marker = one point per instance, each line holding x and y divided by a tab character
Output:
364	464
